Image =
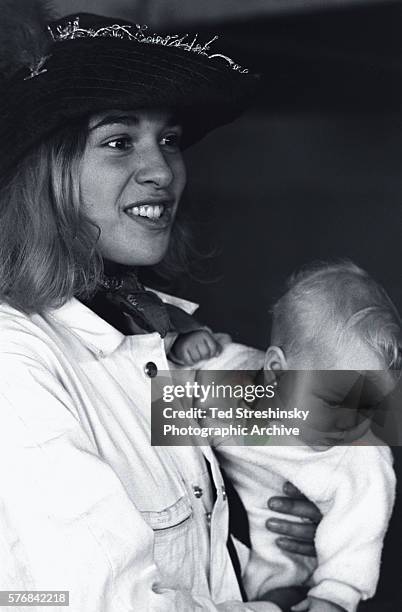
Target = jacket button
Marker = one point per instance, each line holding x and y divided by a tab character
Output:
197	491
224	494
151	369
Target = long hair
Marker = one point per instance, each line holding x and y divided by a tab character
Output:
48	247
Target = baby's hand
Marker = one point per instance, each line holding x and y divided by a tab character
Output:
195	346
313	604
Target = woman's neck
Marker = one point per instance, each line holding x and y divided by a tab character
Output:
111	268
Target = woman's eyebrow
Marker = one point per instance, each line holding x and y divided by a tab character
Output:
115	118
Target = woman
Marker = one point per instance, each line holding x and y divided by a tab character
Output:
92	124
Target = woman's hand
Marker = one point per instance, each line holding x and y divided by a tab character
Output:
295	537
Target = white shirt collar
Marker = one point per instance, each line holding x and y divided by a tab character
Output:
96	333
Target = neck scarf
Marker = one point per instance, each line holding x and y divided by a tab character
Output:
124	302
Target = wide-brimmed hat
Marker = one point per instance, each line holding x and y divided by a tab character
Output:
91	63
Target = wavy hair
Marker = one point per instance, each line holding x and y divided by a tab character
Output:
48	247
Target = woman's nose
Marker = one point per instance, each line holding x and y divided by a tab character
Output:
153	168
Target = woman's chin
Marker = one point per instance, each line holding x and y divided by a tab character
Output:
136	259
138	252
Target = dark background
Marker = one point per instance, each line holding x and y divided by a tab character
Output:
312	172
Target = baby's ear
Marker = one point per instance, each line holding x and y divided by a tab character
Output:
275	359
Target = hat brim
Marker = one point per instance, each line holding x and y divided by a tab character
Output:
90	75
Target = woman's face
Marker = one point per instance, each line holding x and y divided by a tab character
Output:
132	178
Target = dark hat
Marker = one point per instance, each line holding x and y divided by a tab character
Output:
91	63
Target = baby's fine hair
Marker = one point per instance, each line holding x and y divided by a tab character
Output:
336	301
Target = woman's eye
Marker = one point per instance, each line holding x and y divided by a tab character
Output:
172	141
121	144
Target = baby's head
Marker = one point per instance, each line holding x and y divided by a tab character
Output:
335	317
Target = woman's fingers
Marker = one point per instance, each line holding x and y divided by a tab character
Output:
296	537
300	531
295	546
300	536
301	507
292	491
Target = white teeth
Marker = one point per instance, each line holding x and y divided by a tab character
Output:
152	212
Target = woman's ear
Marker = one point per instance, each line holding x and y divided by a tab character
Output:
275	359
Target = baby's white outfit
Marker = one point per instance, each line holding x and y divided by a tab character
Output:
353	486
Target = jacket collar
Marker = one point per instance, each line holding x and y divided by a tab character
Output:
97	334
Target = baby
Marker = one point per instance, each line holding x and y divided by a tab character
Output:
332	317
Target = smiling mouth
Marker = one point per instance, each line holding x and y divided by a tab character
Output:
156	212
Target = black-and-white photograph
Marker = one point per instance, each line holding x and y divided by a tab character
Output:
200	298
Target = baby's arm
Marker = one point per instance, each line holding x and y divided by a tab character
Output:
194	346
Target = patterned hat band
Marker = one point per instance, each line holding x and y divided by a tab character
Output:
93	64
139	33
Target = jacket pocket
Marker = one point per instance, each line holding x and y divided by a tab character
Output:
174	543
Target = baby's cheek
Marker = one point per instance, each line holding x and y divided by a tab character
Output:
358	432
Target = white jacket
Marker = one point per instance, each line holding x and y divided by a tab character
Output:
87	505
